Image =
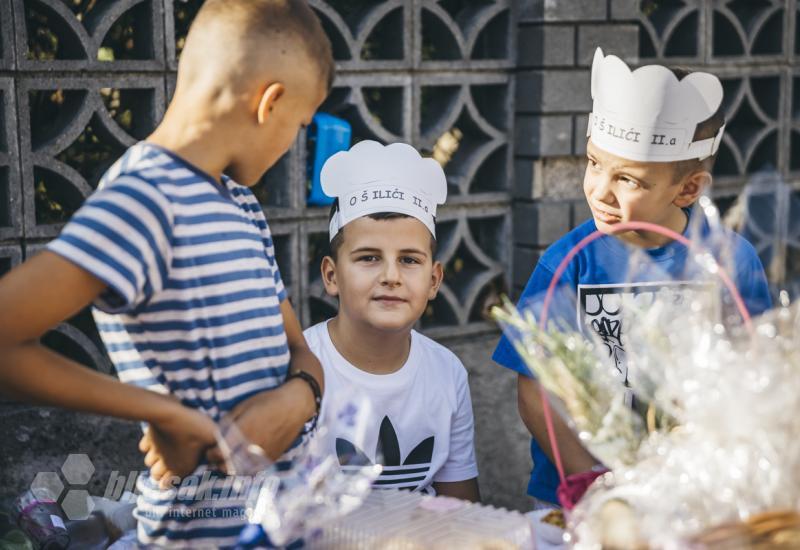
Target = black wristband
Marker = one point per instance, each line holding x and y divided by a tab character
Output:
315	389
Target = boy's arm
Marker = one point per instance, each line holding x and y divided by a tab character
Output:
43	292
302	357
273	419
574	456
458	475
465	490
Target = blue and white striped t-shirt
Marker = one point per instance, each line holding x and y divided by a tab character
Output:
192	309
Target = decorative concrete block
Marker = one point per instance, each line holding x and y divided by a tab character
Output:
580	139
563	10
546	45
553	91
622	10
543	136
525	260
621	40
540	223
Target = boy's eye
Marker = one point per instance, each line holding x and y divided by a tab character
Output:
630	183
367	258
592	163
409	260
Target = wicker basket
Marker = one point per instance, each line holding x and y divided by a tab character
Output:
776	529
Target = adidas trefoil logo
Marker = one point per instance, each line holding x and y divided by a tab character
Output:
403	475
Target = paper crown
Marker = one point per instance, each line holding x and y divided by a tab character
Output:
649	114
372	178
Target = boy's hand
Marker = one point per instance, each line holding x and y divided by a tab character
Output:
173	447
272	419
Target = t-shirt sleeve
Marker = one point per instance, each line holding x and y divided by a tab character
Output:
752	281
532	298
122	235
461	464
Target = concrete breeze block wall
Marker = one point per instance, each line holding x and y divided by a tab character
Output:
556	42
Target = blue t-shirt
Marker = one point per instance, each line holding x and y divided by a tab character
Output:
192	309
588	294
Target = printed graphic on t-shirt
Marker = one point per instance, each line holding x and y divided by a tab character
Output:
398	472
600	309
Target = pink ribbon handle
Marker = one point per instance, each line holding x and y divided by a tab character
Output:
618	228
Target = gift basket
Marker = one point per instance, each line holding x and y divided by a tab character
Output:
705	453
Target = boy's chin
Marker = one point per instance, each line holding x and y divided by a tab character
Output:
605	227
390	324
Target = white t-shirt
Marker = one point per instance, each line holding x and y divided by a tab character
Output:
420	417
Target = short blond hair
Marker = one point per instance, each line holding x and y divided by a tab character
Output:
234	31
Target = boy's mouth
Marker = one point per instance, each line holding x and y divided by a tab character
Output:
605	217
388	299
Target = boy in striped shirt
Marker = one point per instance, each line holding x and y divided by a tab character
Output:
176	257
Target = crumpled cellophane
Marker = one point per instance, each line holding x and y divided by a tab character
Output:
588	391
309	486
731	447
712	434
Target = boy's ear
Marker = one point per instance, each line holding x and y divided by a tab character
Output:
328	271
269	97
436	279
691	188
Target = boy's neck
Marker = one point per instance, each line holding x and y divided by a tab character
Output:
369	349
197	141
677	222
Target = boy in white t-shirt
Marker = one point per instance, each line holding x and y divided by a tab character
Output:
382	270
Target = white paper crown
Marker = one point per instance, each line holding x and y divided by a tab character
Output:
371	178
649	114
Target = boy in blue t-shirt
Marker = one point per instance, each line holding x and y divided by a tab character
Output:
654	133
177	258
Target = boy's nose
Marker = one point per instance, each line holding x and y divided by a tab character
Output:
390	275
602	191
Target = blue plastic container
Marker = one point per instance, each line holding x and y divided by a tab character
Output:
326	136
